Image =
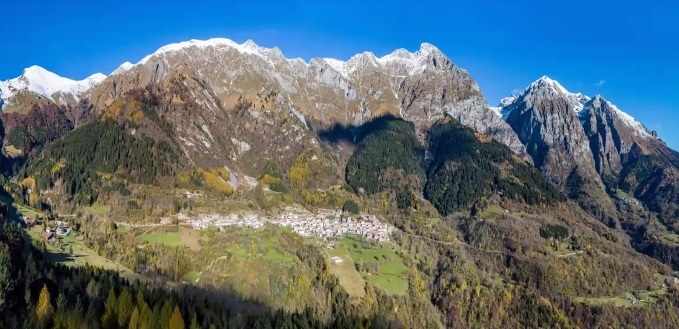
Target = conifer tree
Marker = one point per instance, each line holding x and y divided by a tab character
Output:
44	308
176	321
62	313
125	307
134	319
110	319
145	316
194	322
6	282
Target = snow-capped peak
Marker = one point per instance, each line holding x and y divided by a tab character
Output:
43	82
428	48
547	85
545	81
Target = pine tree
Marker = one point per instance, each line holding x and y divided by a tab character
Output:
44	308
145	316
125	306
92	289
6	281
62	313
140	299
134	319
166	313
110	319
194	322
176	321
157	321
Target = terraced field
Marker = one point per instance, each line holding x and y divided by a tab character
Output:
378	264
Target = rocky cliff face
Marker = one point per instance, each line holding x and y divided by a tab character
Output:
612	135
421	86
545	117
588	145
631	158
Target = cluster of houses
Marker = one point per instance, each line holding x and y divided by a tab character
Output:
204	221
57	229
325	224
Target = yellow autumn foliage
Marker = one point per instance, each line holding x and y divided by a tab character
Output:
131	110
217	180
44	308
311	170
299	173
28	182
269	180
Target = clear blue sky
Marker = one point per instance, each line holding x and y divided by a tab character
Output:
626	50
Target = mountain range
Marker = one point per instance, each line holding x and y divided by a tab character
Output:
409	127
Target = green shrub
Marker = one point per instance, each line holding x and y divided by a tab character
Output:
350	206
552	231
404	199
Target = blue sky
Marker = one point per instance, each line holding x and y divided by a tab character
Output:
627	51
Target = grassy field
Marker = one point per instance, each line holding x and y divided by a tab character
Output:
97	209
492	212
27	211
342	266
630	299
170	239
260	264
636	298
73	252
379	264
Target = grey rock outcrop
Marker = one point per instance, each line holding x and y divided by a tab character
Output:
545	117
422	86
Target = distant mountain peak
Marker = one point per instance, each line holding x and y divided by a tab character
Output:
46	83
547	82
580	103
549	88
427	47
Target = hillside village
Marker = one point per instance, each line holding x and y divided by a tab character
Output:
325	223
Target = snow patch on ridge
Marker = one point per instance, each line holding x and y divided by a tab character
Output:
629	120
399	62
124	67
43	82
247	47
580	103
545	83
638	128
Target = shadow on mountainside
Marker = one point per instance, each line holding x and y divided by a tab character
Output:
354	134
